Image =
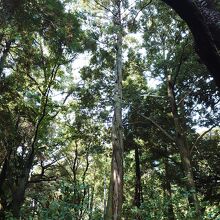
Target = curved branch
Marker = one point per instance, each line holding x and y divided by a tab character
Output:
158	126
200	137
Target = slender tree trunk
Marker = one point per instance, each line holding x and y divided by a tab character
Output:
115	198
168	191
105	196
91	204
184	151
138	199
85	190
138	189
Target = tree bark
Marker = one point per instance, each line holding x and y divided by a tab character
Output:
138	199
91	203
168	191
105	196
3	175
206	32
138	189
115	197
184	151
19	192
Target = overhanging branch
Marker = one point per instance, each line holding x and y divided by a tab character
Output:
205	45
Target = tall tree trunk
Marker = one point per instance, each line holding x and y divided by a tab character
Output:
3	199
105	195
19	191
115	197
184	151
85	190
138	189
138	199
168	191
91	203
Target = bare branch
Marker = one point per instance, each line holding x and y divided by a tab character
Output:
103	6
158	126
182	99
138	12
36	83
201	136
45	179
142	8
